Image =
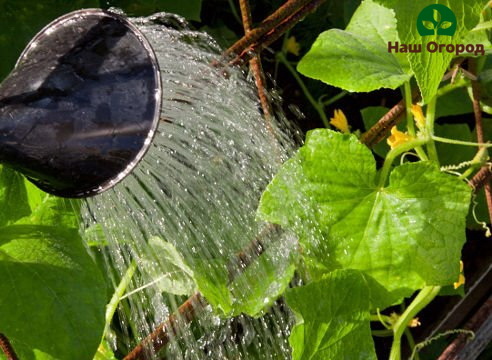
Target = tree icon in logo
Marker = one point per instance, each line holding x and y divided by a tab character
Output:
436	19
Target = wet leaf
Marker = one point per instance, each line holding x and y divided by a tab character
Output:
253	288
167	268
332	318
357	59
53	296
406	235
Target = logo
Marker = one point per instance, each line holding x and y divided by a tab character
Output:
436	19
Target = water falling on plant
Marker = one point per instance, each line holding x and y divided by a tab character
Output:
184	221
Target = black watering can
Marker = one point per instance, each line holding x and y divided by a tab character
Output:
82	105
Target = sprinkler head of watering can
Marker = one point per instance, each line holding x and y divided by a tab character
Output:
82	105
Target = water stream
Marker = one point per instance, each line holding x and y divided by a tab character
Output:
189	208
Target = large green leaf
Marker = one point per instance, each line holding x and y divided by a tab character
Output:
357	59
428	67
333	318
406	235
52	294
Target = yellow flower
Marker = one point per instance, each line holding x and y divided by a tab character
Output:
461	278
418	115
397	138
340	121
293	46
414	322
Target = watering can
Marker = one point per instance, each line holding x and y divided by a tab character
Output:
82	104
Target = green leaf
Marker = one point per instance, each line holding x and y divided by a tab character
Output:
357	59
429	68
48	278
13	197
104	352
235	289
455	102
332	318
167	268
267	278
406	235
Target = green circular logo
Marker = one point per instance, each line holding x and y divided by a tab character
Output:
436	19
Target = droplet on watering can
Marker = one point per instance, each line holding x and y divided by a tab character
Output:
81	106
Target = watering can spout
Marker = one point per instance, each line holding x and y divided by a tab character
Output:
82	105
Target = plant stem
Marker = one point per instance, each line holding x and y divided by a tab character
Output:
319	108
460	142
382	333
394	153
335	98
429	123
451	86
410	123
118	293
411	342
385	319
424	297
407	91
257	70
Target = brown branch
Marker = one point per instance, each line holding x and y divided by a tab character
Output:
161	336
256	67
7	348
477	110
482	177
274	34
381	129
452	352
283	12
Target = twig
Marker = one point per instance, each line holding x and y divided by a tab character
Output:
477	110
482	177
268	38
452	352
256	67
7	348
189	310
161	336
381	129
283	12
